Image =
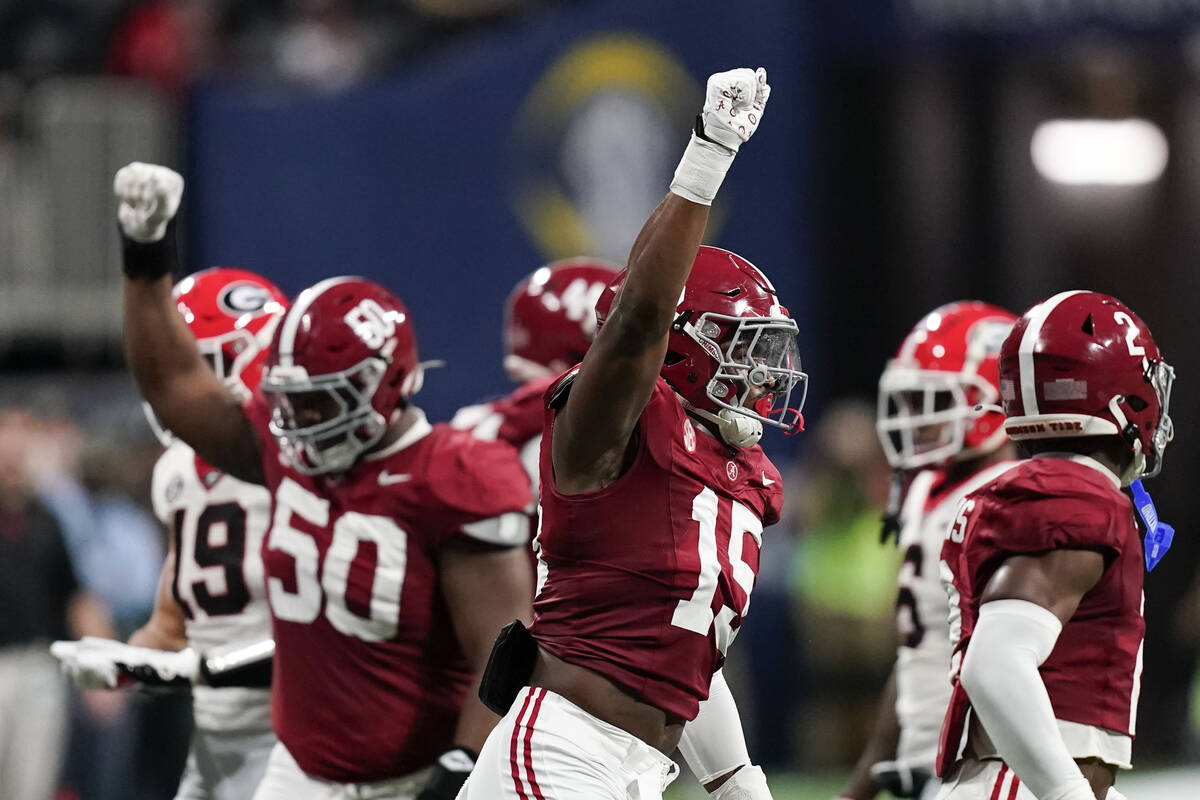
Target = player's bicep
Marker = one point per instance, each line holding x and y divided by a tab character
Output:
485	587
1055	580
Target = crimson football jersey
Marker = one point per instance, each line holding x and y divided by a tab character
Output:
647	581
369	677
1094	672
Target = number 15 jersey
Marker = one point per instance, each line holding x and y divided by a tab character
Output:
647	581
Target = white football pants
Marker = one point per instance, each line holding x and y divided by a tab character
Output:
548	748
286	781
225	765
984	780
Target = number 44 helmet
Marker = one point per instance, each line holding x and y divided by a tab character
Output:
1083	364
550	317
731	351
344	361
929	393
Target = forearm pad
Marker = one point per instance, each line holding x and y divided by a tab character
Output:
151	260
1000	674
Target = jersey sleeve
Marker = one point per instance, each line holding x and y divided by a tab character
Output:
1021	521
159	483
483	489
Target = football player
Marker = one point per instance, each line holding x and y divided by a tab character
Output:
549	324
211	598
1044	564
654	495
942	448
384	528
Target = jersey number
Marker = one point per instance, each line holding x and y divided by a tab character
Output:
220	543
908	620
366	551
696	614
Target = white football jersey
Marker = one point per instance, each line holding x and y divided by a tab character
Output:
923	613
218	524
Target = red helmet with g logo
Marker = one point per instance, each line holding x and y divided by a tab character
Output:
344	361
233	314
730	338
946	367
550	317
1083	364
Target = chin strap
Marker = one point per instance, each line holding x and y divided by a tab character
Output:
736	430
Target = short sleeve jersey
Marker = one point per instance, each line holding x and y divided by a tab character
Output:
647	581
369	677
923	656
1046	503
218	524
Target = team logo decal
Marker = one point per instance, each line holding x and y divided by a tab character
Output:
243	298
731	470
689	436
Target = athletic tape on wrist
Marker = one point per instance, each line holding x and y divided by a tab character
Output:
701	170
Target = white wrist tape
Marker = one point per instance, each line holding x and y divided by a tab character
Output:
701	171
1000	674
713	743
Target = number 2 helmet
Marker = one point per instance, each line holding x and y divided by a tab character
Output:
550	317
946	368
344	361
1083	364
731	350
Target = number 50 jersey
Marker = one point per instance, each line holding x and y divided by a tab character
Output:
217	523
647	581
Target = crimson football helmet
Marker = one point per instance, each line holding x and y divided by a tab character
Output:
344	362
1083	364
550	317
731	341
946	368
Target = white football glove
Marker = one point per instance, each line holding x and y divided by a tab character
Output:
733	105
748	783
149	195
95	663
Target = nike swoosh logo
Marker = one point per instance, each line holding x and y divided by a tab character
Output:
767	481
388	479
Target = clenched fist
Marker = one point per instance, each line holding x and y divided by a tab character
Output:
149	195
733	105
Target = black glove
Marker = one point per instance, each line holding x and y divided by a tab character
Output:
899	779
448	774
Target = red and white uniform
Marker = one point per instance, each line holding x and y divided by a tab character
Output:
369	677
219	524
648	580
1093	674
922	616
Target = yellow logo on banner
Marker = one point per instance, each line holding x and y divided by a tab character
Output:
595	144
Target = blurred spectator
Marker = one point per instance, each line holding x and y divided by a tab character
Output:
167	42
844	578
40	601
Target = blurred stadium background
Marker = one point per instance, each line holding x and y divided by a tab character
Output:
916	152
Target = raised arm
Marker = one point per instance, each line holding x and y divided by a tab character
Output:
1022	611
183	391
594	429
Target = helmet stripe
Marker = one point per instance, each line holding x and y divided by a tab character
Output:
1037	317
291	323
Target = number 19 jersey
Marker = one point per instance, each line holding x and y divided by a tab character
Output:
647	581
218	524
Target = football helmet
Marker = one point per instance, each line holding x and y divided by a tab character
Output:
1083	364
550	317
930	393
344	362
731	351
233	314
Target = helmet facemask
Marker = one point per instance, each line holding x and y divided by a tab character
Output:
757	367
348	426
1148	452
923	415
